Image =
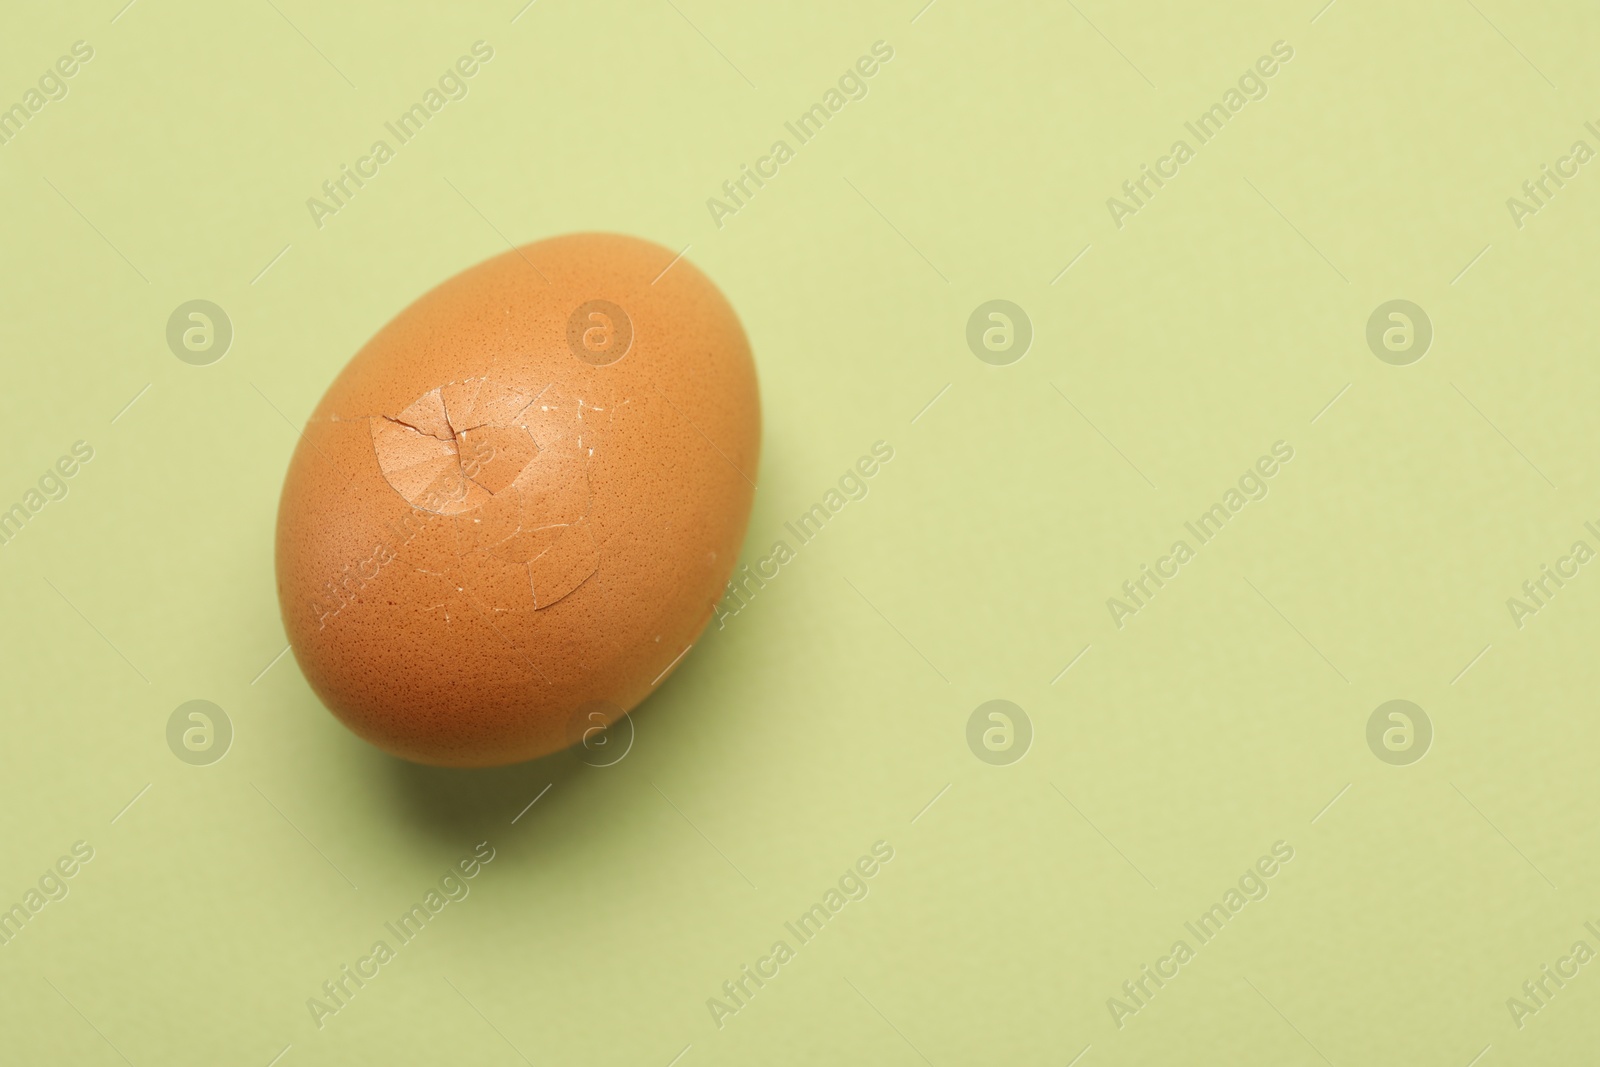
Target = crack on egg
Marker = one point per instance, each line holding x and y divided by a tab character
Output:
408	425
508	471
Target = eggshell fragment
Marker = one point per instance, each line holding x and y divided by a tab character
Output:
520	501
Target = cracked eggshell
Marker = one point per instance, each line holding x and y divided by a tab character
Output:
520	501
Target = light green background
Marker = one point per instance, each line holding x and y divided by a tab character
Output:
1223	317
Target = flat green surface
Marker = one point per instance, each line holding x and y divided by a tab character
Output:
1168	755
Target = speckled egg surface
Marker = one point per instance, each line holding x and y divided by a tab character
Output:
515	509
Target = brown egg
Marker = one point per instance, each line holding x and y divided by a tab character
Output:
517	506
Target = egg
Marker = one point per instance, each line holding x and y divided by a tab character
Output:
515	509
